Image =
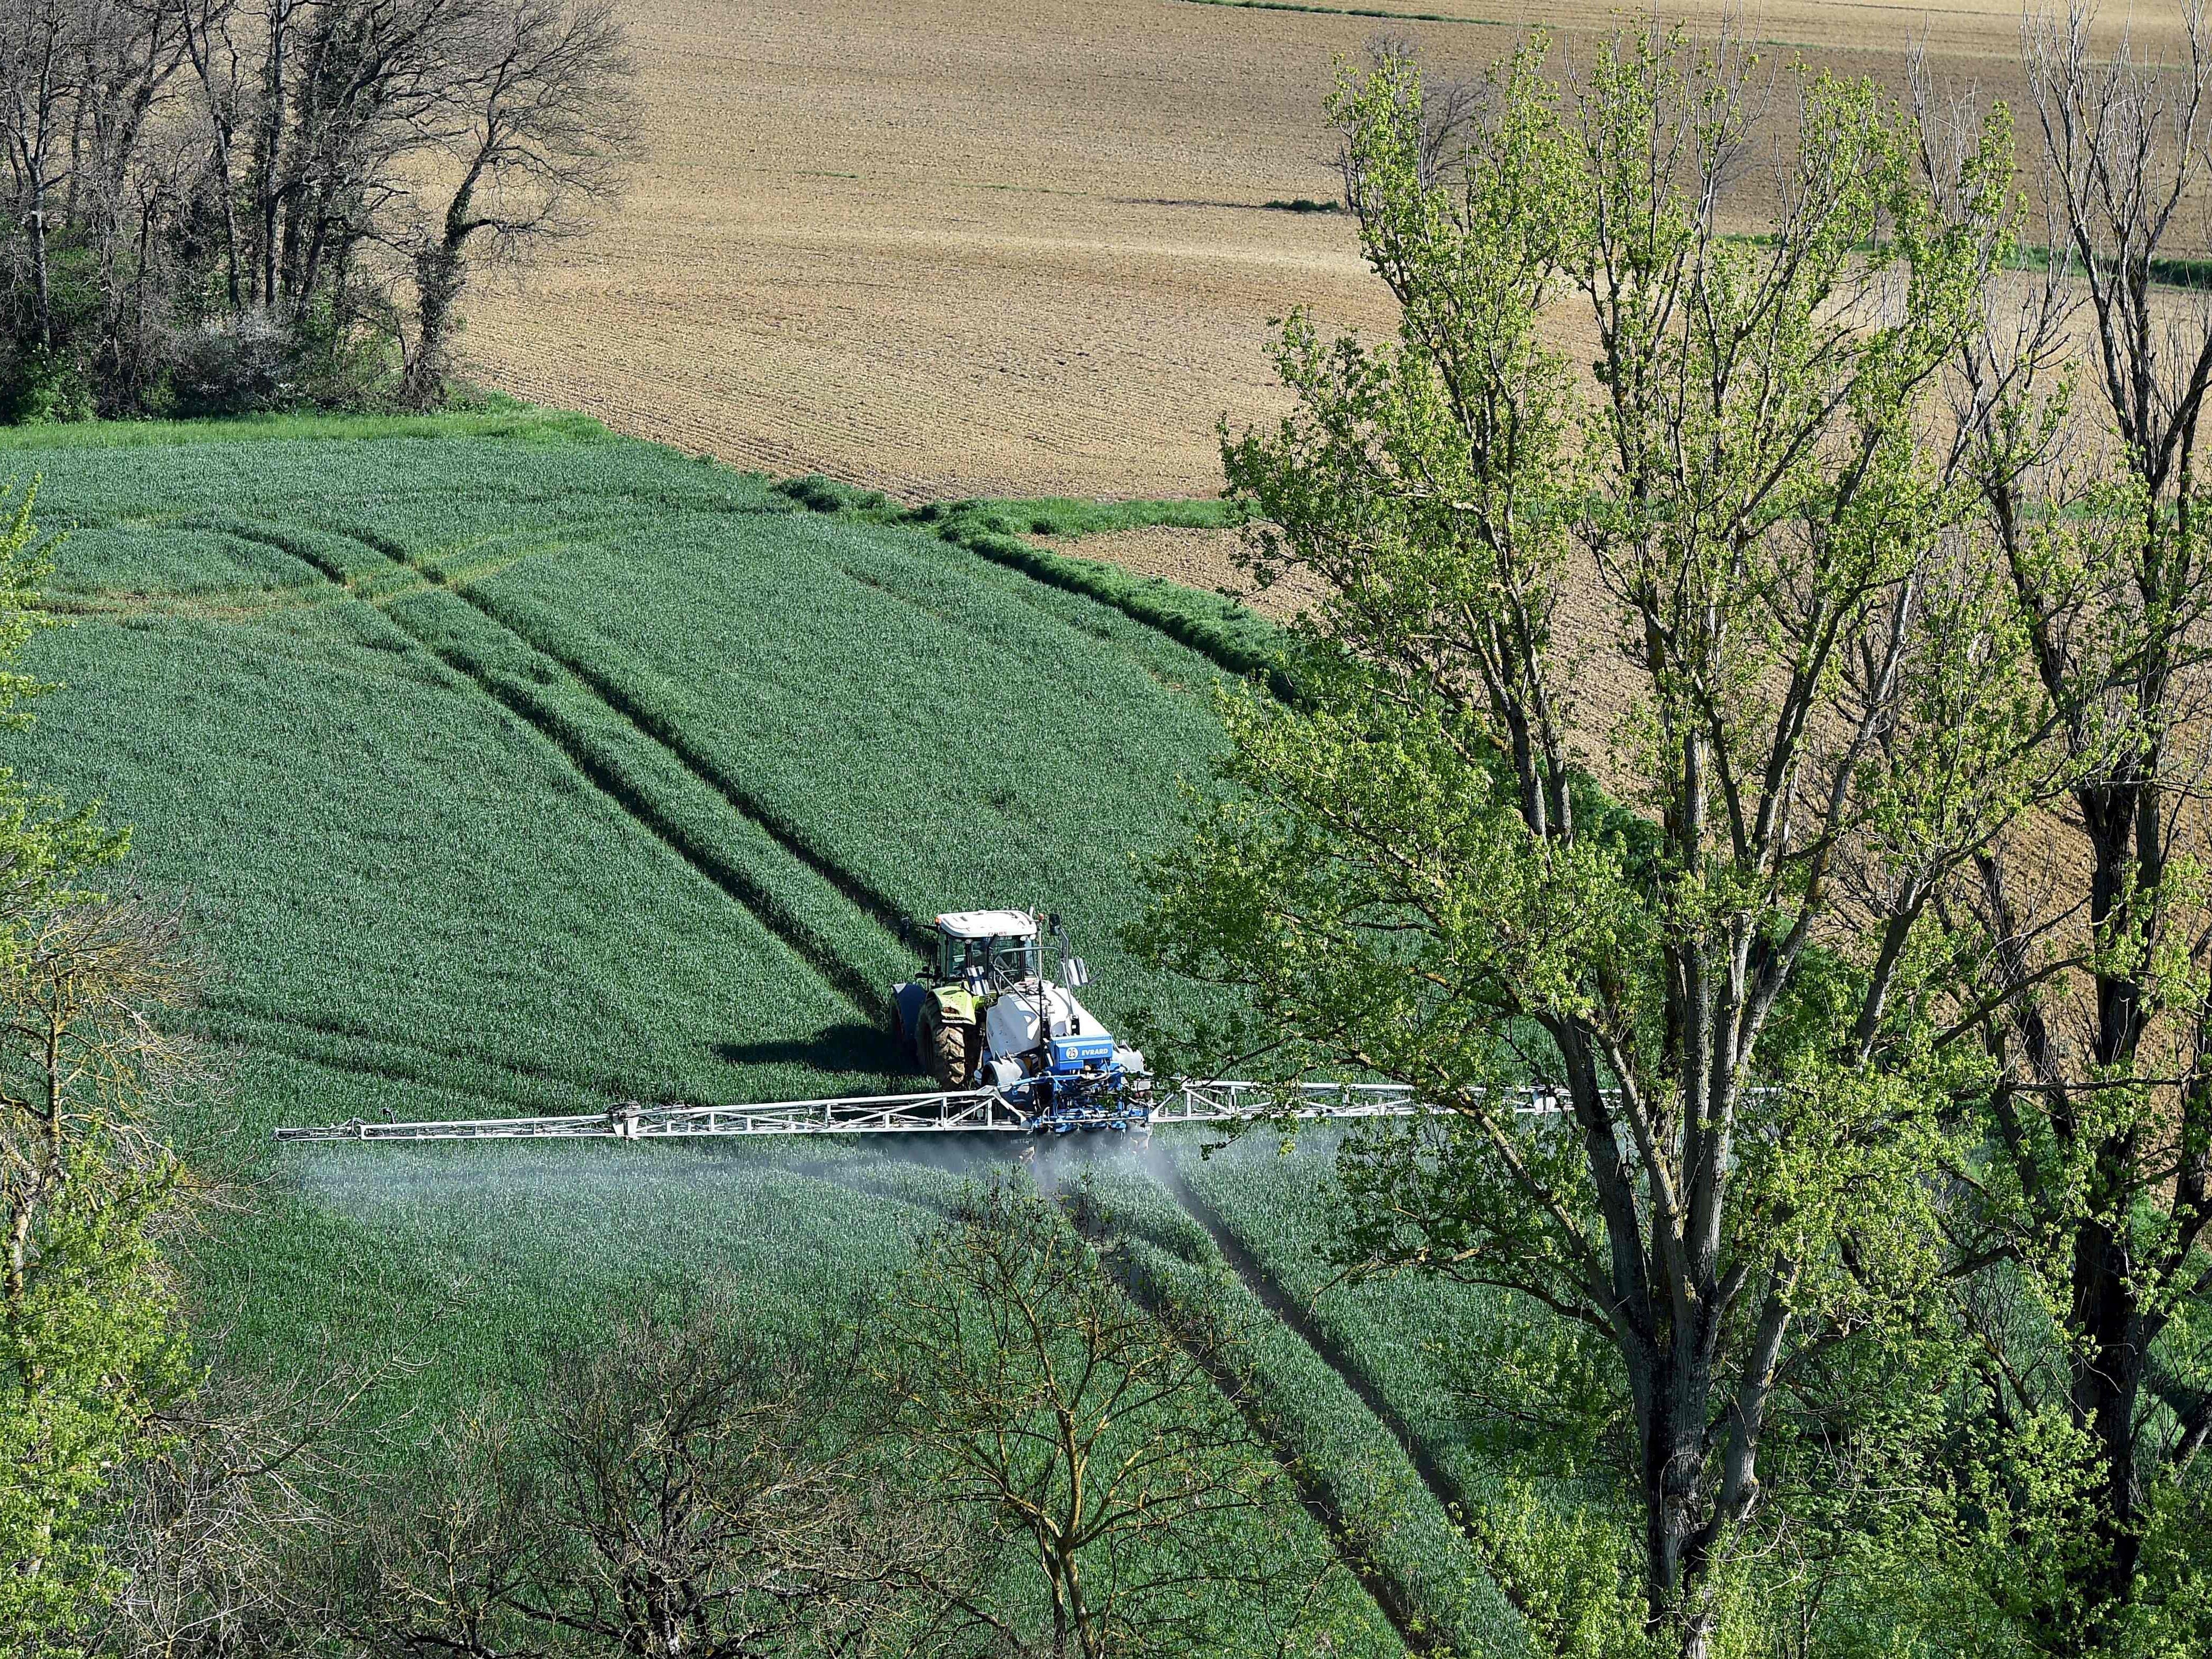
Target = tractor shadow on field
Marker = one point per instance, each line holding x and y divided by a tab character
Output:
852	1047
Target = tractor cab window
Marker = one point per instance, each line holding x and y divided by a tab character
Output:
989	959
1014	959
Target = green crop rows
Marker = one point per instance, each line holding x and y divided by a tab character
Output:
516	768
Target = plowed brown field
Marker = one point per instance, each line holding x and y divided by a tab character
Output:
965	246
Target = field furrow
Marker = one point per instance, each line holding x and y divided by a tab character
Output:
1295	1314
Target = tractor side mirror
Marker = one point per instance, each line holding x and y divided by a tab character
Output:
1074	971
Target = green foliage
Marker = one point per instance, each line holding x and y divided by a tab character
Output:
42	389
90	1352
89	1349
1726	1245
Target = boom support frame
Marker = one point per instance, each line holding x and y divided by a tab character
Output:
959	1111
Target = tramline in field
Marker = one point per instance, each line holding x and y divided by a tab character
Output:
1013	1051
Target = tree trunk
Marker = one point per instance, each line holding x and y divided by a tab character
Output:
201	49
269	145
1678	1562
439	276
41	281
2122	815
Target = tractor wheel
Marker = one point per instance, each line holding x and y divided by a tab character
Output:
945	1049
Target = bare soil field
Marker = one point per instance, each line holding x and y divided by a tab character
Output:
948	247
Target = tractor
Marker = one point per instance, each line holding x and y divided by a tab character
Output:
982	1014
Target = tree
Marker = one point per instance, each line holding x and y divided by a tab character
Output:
544	126
688	1489
213	202
2084	936
1094	1436
1815	708
90	1351
220	1538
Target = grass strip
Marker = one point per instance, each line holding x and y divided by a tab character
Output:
1008	516
522	421
1231	636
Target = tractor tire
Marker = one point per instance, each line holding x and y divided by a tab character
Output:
944	1051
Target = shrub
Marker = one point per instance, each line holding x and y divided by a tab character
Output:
42	387
239	368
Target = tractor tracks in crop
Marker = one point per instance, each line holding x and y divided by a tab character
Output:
1383	1588
1297	1318
818	953
726	874
334	1045
878	906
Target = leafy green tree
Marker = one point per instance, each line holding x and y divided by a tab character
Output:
89	1347
2083	937
1810	691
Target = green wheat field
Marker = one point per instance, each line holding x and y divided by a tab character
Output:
515	767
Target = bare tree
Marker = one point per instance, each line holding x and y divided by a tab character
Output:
1091	1434
218	1538
688	1489
1451	108
278	168
43	48
543	127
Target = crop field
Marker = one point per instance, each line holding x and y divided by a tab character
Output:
1024	246
512	767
